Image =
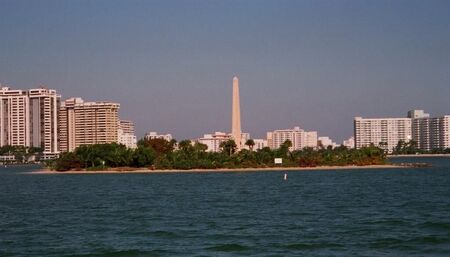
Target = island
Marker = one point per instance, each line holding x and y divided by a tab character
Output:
163	155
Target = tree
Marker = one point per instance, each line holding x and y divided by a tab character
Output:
250	143
185	146
265	156
159	145
309	157
199	147
228	147
143	157
409	147
67	161
283	150
190	156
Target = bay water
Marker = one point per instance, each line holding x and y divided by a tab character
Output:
365	212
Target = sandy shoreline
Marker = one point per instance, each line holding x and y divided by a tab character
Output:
147	171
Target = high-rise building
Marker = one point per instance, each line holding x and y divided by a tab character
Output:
236	132
15	120
428	133
420	128
431	133
298	137
382	132
126	134
87	123
29	118
440	132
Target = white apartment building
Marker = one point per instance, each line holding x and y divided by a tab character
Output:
309	139
87	123
431	133
213	141
29	118
244	137
299	138
382	132
155	135
349	143
259	144
428	133
326	141
126	134
439	132
420	128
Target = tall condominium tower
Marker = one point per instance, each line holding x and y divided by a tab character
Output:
382	132
420	128
430	133
29	118
236	115
126	134
87	123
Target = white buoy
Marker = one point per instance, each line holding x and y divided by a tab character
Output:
285	176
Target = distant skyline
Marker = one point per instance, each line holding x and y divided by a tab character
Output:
170	64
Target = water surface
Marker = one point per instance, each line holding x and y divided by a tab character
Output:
385	212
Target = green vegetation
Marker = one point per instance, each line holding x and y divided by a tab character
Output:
21	154
162	154
412	148
102	156
406	148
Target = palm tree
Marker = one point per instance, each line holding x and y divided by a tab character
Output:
228	146
250	143
185	145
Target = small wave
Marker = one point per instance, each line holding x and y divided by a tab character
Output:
122	253
229	248
390	222
430	240
436	225
306	246
163	233
394	243
211	224
387	243
6	254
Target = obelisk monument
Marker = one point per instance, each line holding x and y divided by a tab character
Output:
236	115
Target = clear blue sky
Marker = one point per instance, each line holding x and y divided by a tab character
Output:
170	64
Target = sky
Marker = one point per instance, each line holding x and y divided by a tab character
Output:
314	64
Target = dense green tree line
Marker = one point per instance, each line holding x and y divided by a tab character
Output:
101	156
162	154
411	147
